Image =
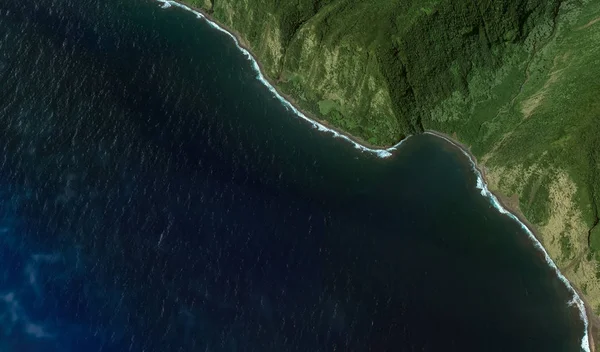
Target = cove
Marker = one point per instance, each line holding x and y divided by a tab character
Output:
155	196
481	183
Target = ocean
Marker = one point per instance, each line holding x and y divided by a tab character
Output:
156	196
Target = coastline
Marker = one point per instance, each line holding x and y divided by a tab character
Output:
286	100
515	211
586	314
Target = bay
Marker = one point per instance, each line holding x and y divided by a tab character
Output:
155	196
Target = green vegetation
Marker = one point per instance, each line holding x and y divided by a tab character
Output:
388	64
518	81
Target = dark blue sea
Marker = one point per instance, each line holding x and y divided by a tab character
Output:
155	196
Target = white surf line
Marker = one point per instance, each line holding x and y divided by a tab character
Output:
481	185
382	153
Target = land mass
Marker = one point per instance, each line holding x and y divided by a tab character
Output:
516	82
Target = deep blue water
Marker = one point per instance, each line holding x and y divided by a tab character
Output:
154	196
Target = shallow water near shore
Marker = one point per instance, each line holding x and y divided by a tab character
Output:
154	196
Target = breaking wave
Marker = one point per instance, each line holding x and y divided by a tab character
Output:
482	186
382	153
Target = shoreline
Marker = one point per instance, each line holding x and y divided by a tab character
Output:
287	101
587	342
515	211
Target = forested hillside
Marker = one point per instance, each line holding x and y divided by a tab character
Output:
518	81
377	69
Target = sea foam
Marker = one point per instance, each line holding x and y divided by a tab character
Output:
382	153
482	186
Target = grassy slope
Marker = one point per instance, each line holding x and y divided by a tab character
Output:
516	80
385	64
544	143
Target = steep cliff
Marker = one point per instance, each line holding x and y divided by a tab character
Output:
517	81
376	69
